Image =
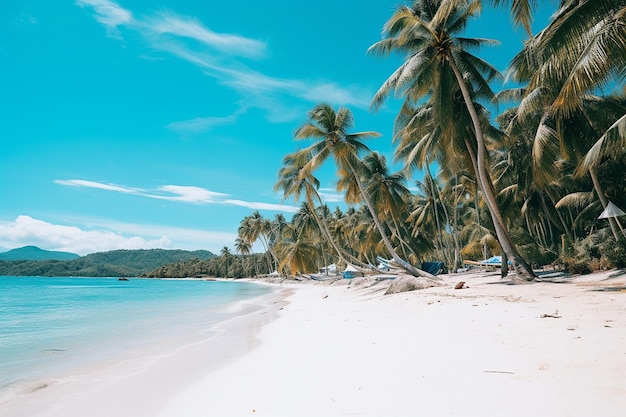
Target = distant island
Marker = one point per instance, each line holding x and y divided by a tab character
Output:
33	261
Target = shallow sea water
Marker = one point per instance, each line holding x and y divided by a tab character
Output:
50	325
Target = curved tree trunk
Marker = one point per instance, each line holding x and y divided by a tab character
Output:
403	264
435	211
598	189
523	270
455	235
322	225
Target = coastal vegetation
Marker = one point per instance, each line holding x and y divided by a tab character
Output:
528	182
117	263
226	265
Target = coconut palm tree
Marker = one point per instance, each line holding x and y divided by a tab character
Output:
294	183
243	247
581	50
255	227
438	65
427	215
390	197
454	198
330	130
531	183
296	251
582	129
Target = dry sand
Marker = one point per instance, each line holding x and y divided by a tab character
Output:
489	349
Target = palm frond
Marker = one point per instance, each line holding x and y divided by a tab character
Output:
575	200
544	153
612	142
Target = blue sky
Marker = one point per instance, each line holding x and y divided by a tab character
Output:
142	124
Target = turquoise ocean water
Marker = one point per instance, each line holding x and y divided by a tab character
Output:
51	324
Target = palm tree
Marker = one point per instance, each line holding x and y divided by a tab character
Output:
582	129
427	214
297	252
226	260
243	247
255	227
390	199
293	181
532	182
581	50
330	129
437	66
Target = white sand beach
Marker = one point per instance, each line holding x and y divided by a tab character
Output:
489	349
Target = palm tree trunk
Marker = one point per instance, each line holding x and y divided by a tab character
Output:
452	231
434	188
323	227
598	188
403	264
455	235
523	270
393	226
504	267
272	259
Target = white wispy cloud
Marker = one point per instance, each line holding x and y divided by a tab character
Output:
330	195
179	193
25	230
109	13
187	194
204	124
220	56
98	185
170	23
262	206
247	80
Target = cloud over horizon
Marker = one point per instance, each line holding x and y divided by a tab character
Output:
102	235
26	230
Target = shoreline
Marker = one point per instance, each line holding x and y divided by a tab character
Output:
343	348
138	383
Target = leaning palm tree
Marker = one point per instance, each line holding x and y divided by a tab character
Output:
330	130
438	65
391	198
294	182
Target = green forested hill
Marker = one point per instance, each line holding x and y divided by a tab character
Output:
103	264
33	253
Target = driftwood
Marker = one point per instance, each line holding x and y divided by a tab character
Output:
552	316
